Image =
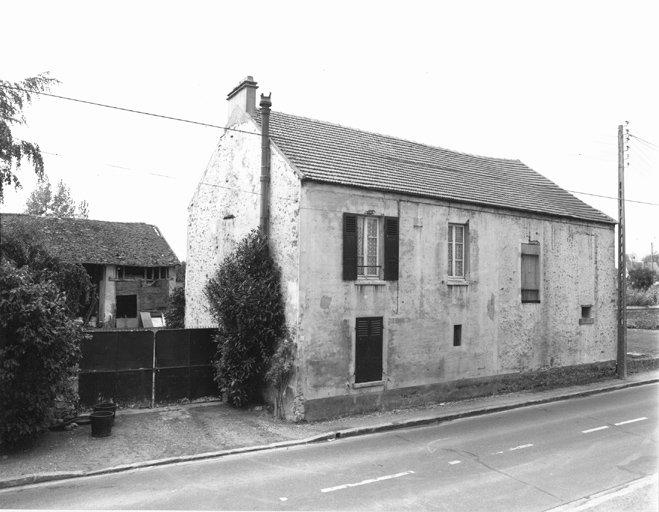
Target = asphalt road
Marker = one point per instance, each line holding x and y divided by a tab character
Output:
530	459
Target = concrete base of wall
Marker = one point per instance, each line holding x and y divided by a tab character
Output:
334	407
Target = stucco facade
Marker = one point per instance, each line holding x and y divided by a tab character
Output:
438	332
500	334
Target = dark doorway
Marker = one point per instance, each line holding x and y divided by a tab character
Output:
368	350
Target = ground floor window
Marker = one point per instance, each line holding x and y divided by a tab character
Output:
368	350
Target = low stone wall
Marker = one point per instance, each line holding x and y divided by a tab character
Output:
643	317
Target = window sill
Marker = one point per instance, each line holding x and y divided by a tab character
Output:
457	282
372	384
370	282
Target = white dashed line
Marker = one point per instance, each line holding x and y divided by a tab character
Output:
364	482
593	429
455	462
630	421
283	499
520	447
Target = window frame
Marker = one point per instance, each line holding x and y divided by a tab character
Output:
530	284
387	257
453	279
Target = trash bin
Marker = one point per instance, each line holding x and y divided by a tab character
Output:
101	423
107	406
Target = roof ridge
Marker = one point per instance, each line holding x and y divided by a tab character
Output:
48	217
392	137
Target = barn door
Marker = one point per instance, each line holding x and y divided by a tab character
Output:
368	350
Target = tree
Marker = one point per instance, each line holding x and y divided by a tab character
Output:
175	314
246	300
14	97
39	352
43	203
23	248
642	278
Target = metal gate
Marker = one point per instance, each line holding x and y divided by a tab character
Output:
147	366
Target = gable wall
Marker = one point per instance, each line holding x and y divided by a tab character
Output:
230	186
499	335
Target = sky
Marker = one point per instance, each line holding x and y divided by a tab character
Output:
547	83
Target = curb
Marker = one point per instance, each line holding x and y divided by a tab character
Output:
328	436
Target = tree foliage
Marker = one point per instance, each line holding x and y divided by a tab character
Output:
642	278
245	298
43	203
39	352
175	314
23	248
14	97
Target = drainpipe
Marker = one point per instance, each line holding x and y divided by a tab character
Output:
265	163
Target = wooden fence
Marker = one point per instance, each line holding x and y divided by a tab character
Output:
147	367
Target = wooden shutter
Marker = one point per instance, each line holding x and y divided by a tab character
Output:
349	247
368	350
530	273
391	248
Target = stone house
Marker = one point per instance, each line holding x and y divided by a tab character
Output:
410	272
131	264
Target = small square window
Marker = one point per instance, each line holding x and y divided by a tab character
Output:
586	315
457	335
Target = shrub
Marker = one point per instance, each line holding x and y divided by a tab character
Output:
246	300
39	352
640	297
175	314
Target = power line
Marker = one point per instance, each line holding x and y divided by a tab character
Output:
128	110
609	197
644	141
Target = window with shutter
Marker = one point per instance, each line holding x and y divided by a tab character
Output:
370	247
530	275
368	350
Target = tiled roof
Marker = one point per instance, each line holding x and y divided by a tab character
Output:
333	153
95	241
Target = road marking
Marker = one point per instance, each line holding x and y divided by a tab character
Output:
593	429
455	462
283	499
630	421
364	482
520	447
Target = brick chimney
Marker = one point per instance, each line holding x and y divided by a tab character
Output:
242	100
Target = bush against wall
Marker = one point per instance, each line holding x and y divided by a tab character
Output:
175	314
246	300
39	352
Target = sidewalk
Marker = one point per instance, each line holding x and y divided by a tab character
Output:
149	437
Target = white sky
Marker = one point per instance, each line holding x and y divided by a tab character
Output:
547	83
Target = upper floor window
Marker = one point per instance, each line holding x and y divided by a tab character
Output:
370	247
530	272
456	250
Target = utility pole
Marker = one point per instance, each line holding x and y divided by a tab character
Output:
622	263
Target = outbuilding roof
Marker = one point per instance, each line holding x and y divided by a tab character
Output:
332	153
95	241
